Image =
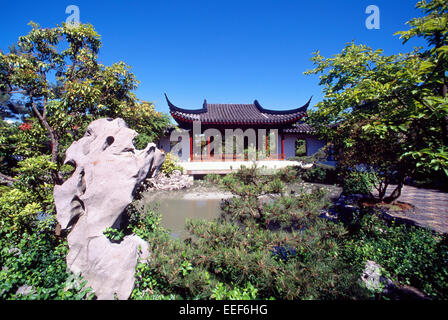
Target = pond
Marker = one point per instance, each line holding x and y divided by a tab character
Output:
198	202
201	201
176	211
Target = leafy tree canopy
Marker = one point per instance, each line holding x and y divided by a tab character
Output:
388	112
52	79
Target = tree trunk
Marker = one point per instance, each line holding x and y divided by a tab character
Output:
382	191
396	193
54	141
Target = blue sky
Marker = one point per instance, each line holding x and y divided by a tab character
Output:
223	51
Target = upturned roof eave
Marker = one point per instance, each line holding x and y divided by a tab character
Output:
302	109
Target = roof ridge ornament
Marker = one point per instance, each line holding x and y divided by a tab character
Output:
173	108
268	111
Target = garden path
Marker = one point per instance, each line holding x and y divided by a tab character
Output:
430	207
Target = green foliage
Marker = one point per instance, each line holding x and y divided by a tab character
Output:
56	87
319	173
142	117
113	234
410	255
17	210
34	179
290	253
315	174
359	182
59	112
143	223
389	112
320	156
300	148
36	259
8	139
170	164
221	292
234	257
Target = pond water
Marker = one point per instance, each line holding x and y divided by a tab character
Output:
176	211
201	201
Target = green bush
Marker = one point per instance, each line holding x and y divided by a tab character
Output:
237	255
113	234
36	259
170	164
221	292
410	255
319	173
359	182
31	256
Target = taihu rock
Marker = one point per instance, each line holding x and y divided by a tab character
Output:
108	171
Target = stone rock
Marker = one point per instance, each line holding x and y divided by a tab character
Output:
175	181
25	290
381	285
373	278
108	171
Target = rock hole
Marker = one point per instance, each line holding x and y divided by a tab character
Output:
82	183
77	209
108	142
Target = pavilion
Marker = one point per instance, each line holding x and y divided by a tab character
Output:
288	126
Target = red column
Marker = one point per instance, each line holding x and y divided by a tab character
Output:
283	146
191	146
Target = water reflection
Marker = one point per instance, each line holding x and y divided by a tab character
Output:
175	211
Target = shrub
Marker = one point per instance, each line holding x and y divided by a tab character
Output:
221	292
18	211
113	234
170	164
31	256
240	255
358	182
410	255
319	173
36	259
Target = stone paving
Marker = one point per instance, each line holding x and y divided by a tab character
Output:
430	207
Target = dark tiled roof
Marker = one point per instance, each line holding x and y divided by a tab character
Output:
300	128
254	113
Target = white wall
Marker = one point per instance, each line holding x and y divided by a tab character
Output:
164	143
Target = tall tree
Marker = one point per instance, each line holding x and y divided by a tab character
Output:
433	27
57	73
389	112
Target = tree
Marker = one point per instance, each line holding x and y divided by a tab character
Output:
142	117
388	113
56	73
434	29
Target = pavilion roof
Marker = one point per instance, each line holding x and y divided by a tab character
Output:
236	114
